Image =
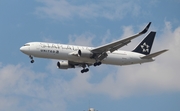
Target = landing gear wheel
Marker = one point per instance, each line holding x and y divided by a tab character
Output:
32	61
84	70
97	63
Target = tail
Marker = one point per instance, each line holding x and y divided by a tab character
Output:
146	44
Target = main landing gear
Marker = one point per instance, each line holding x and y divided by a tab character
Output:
97	63
84	68
31	57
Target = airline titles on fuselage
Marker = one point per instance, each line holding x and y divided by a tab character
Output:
52	48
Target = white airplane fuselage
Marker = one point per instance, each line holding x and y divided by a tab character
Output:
69	53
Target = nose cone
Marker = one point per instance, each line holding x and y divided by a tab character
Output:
21	49
24	49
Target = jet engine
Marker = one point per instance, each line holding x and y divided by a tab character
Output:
64	65
85	53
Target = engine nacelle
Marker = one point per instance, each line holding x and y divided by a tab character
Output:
85	53
64	65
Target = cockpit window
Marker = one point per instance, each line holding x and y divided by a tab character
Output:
27	45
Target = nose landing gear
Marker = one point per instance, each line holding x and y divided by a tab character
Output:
31	57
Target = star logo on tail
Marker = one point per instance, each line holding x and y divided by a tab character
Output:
145	47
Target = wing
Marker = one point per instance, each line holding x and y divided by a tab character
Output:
118	44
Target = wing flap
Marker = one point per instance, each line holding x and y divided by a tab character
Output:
154	54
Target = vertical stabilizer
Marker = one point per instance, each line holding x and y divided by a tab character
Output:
146	44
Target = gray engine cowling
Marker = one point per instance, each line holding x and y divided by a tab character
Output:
64	65
85	53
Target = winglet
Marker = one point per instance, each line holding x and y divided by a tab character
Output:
145	29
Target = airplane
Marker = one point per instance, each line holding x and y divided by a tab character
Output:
72	56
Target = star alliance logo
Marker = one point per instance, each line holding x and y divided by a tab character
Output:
145	47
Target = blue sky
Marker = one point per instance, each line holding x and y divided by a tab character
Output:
40	86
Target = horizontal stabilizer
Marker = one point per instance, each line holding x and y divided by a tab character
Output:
153	54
